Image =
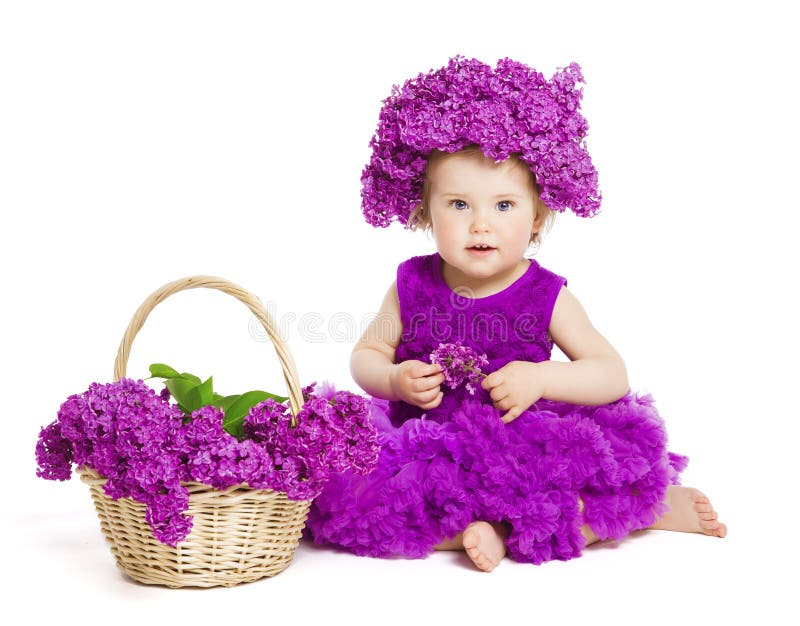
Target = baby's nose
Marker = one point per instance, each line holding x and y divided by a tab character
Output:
480	224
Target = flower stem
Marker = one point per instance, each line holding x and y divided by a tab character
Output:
469	368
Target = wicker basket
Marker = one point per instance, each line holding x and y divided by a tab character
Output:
238	535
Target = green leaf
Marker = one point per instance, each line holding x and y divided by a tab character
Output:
161	370
191	377
224	402
193	399
199	395
206	392
234	416
181	389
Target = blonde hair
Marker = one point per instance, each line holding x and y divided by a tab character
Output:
421	215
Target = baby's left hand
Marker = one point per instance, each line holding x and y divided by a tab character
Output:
514	387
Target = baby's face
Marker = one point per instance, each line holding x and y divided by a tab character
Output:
475	201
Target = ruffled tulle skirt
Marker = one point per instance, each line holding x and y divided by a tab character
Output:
435	477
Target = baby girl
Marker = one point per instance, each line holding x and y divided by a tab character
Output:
542	457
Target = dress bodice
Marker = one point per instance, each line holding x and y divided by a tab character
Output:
511	325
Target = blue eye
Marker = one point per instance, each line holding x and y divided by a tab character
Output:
503	205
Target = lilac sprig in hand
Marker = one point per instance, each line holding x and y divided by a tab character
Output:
460	364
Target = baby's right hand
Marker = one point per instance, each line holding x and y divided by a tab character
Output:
417	383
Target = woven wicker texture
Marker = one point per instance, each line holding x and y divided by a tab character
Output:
238	535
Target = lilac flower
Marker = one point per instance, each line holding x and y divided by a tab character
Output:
460	364
511	109
53	454
128	434
139	442
333	433
214	457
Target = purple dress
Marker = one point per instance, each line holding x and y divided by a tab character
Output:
443	468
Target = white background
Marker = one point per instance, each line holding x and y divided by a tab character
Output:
144	142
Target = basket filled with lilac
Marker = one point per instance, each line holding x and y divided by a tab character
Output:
194	488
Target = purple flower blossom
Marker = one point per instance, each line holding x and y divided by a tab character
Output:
53	454
130	435
508	110
140	443
460	364
333	433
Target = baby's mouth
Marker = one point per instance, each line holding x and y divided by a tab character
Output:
480	252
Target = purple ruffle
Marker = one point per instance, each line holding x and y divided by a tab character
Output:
437	474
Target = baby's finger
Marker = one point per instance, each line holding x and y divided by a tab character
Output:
498	393
428	396
504	403
434	403
491	381
513	414
428	382
427	369
418	369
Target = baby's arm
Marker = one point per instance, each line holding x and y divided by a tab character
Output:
596	373
372	363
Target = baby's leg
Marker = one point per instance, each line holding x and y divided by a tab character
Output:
484	543
587	532
690	511
456	543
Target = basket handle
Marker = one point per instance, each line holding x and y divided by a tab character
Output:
214	282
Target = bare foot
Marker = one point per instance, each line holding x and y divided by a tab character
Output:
690	511
485	544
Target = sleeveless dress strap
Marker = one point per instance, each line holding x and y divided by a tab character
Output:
551	284
413	279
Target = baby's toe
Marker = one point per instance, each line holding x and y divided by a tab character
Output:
477	557
708	516
486	565
470	539
714	528
702	507
479	560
